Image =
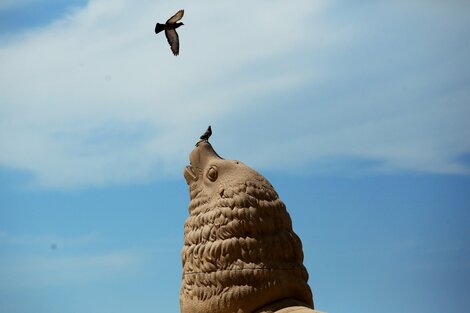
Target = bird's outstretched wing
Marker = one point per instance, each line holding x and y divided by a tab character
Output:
173	40
175	18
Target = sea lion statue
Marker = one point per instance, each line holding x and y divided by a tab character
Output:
240	253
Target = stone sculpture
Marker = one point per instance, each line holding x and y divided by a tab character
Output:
240	253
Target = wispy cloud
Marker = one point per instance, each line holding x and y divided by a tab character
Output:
44	271
48	240
62	260
11	4
95	98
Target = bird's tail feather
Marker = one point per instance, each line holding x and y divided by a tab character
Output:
159	27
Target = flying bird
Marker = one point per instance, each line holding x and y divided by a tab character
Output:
207	134
170	31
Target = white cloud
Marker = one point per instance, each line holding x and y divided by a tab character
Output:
96	98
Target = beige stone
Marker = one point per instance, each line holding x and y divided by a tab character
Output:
240	253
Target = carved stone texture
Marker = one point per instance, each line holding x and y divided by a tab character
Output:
240	253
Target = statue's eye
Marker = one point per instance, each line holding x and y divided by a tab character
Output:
212	173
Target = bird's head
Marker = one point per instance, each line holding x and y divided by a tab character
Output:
178	24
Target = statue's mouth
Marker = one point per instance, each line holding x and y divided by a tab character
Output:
198	159
189	174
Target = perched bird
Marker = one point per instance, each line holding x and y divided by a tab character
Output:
170	31
207	134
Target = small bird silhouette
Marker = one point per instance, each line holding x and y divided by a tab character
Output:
207	134
170	31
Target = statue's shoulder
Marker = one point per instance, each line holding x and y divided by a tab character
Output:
287	306
293	309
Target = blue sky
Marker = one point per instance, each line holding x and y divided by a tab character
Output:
357	114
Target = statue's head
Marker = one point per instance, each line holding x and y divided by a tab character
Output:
240	252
